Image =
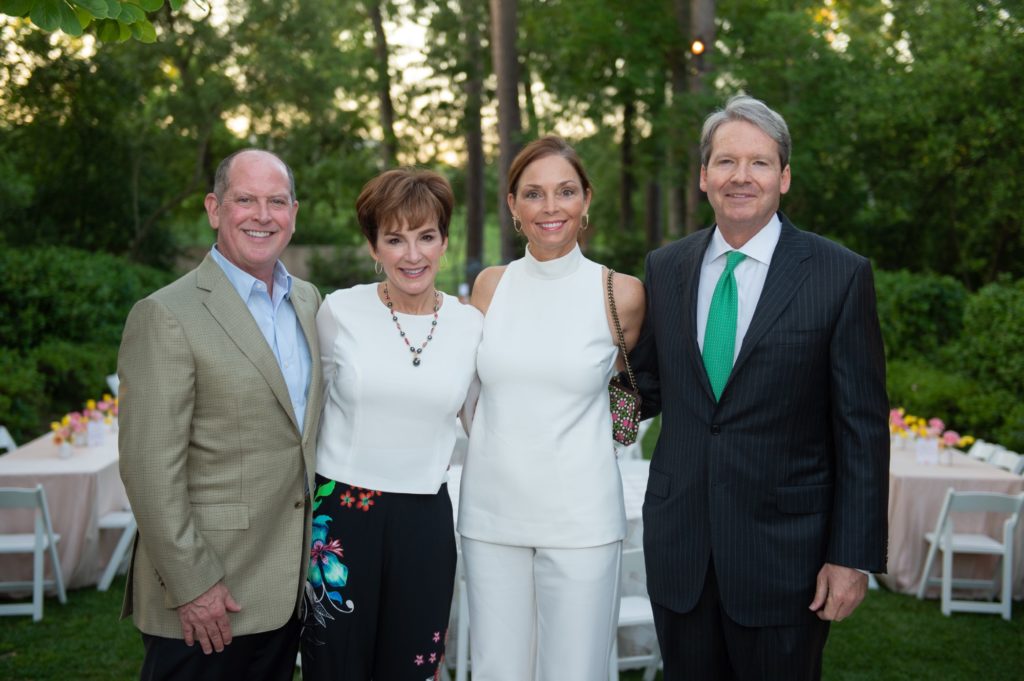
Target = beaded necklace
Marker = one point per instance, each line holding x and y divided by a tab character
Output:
416	351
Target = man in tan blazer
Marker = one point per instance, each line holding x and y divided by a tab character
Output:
220	403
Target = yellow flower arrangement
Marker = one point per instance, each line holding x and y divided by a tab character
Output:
74	425
904	425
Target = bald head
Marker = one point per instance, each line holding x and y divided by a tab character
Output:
222	179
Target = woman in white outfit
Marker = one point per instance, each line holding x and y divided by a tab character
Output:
398	359
541	512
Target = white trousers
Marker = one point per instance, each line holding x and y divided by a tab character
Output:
541	614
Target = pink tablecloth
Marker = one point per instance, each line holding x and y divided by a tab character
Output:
916	493
79	490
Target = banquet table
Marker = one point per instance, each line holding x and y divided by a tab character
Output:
79	490
916	493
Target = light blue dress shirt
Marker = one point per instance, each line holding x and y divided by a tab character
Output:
279	324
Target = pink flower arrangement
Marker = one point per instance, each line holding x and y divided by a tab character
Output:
902	424
75	424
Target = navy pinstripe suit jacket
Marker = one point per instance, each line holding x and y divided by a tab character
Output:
790	469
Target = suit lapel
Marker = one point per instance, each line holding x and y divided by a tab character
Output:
305	310
230	311
689	283
785	275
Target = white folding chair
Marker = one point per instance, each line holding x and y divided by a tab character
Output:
1007	460
634	611
117	520
949	542
113	382
981	450
7	442
38	543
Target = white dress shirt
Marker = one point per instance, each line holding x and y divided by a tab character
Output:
279	325
750	275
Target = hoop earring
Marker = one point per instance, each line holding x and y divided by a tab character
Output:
585	222
377	267
444	261
517	224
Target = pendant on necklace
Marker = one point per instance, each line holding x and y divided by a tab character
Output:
416	351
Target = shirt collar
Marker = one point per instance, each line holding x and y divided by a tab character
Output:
760	247
243	282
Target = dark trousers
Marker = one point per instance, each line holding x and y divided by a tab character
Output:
379	591
705	644
269	655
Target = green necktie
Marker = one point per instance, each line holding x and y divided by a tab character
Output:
720	333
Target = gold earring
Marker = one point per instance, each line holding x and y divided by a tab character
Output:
377	267
585	222
517	224
444	261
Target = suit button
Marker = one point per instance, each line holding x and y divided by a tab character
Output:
716	429
298	504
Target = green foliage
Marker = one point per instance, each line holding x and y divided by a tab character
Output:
993	336
933	389
68	294
346	266
991	353
969	373
622	251
62	311
111	20
919	313
22	400
72	373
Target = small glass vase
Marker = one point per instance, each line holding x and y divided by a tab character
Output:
926	450
64	450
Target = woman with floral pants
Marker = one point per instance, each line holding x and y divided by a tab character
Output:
399	360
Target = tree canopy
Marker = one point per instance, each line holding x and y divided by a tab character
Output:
904	114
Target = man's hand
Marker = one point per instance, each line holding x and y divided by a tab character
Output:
839	591
206	618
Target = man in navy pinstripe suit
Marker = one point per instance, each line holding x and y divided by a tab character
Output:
766	506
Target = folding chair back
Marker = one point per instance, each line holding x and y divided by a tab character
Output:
7	442
950	542
38	543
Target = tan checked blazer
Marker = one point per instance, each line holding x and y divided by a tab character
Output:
211	456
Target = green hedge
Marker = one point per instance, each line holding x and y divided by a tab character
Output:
954	355
919	313
61	315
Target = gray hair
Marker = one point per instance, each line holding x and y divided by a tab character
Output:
753	111
220	178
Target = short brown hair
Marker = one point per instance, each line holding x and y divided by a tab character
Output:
549	145
411	195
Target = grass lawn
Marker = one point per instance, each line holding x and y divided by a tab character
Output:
890	638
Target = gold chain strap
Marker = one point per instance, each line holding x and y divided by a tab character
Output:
618	330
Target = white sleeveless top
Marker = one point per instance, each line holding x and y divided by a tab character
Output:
541	469
388	425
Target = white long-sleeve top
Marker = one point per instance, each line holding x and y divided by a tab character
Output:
388	425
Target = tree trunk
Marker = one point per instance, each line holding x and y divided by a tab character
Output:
653	214
472	126
506	68
676	148
626	170
389	146
702	18
532	124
